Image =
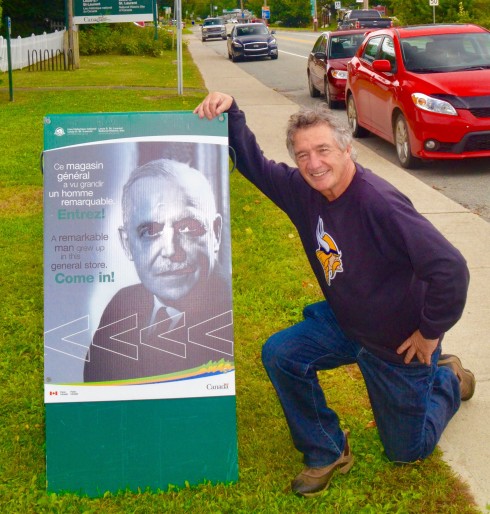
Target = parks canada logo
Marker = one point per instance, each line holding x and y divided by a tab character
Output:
59	132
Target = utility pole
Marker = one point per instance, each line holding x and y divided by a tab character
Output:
70	27
73	48
178	16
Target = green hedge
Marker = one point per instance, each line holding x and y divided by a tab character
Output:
124	39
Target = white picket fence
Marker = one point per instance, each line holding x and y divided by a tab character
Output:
38	47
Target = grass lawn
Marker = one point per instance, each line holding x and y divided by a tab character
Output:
272	283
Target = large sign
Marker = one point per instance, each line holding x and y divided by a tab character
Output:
106	277
112	11
139	355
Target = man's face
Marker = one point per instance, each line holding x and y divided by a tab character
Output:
172	234
320	161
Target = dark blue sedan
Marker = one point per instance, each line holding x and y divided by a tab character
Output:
250	40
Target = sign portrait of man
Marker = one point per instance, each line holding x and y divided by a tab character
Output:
172	232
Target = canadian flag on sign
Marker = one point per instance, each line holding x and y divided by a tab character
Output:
139	23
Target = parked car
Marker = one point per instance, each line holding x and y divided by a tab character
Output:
327	64
213	27
363	19
248	40
426	89
175	23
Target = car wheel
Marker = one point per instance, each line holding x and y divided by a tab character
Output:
234	58
355	128
328	99
314	93
274	57
203	39
402	144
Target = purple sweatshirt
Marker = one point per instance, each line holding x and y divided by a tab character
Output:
385	270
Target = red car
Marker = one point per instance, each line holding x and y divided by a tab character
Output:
426	89
327	64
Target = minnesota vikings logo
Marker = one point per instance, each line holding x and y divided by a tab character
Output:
328	254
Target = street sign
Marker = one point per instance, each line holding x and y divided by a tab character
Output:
9	56
433	2
111	11
338	5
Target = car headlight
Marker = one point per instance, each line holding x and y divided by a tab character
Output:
339	74
237	44
272	41
427	103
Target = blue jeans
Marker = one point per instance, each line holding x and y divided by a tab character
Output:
412	404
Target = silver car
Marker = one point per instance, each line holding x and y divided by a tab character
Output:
213	27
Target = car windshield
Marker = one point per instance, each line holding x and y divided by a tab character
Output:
342	47
446	52
213	22
251	30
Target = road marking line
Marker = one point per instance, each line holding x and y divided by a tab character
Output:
295	55
294	38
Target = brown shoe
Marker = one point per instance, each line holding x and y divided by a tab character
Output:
467	381
312	481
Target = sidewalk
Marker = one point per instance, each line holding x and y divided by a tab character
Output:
465	441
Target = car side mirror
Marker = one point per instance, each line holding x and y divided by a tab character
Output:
273	31
382	65
320	55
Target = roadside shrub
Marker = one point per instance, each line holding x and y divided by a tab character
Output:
124	39
130	47
96	39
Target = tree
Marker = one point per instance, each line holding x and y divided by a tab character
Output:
479	13
453	9
292	13
413	12
33	16
480	7
202	8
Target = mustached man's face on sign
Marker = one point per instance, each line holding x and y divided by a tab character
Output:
171	230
